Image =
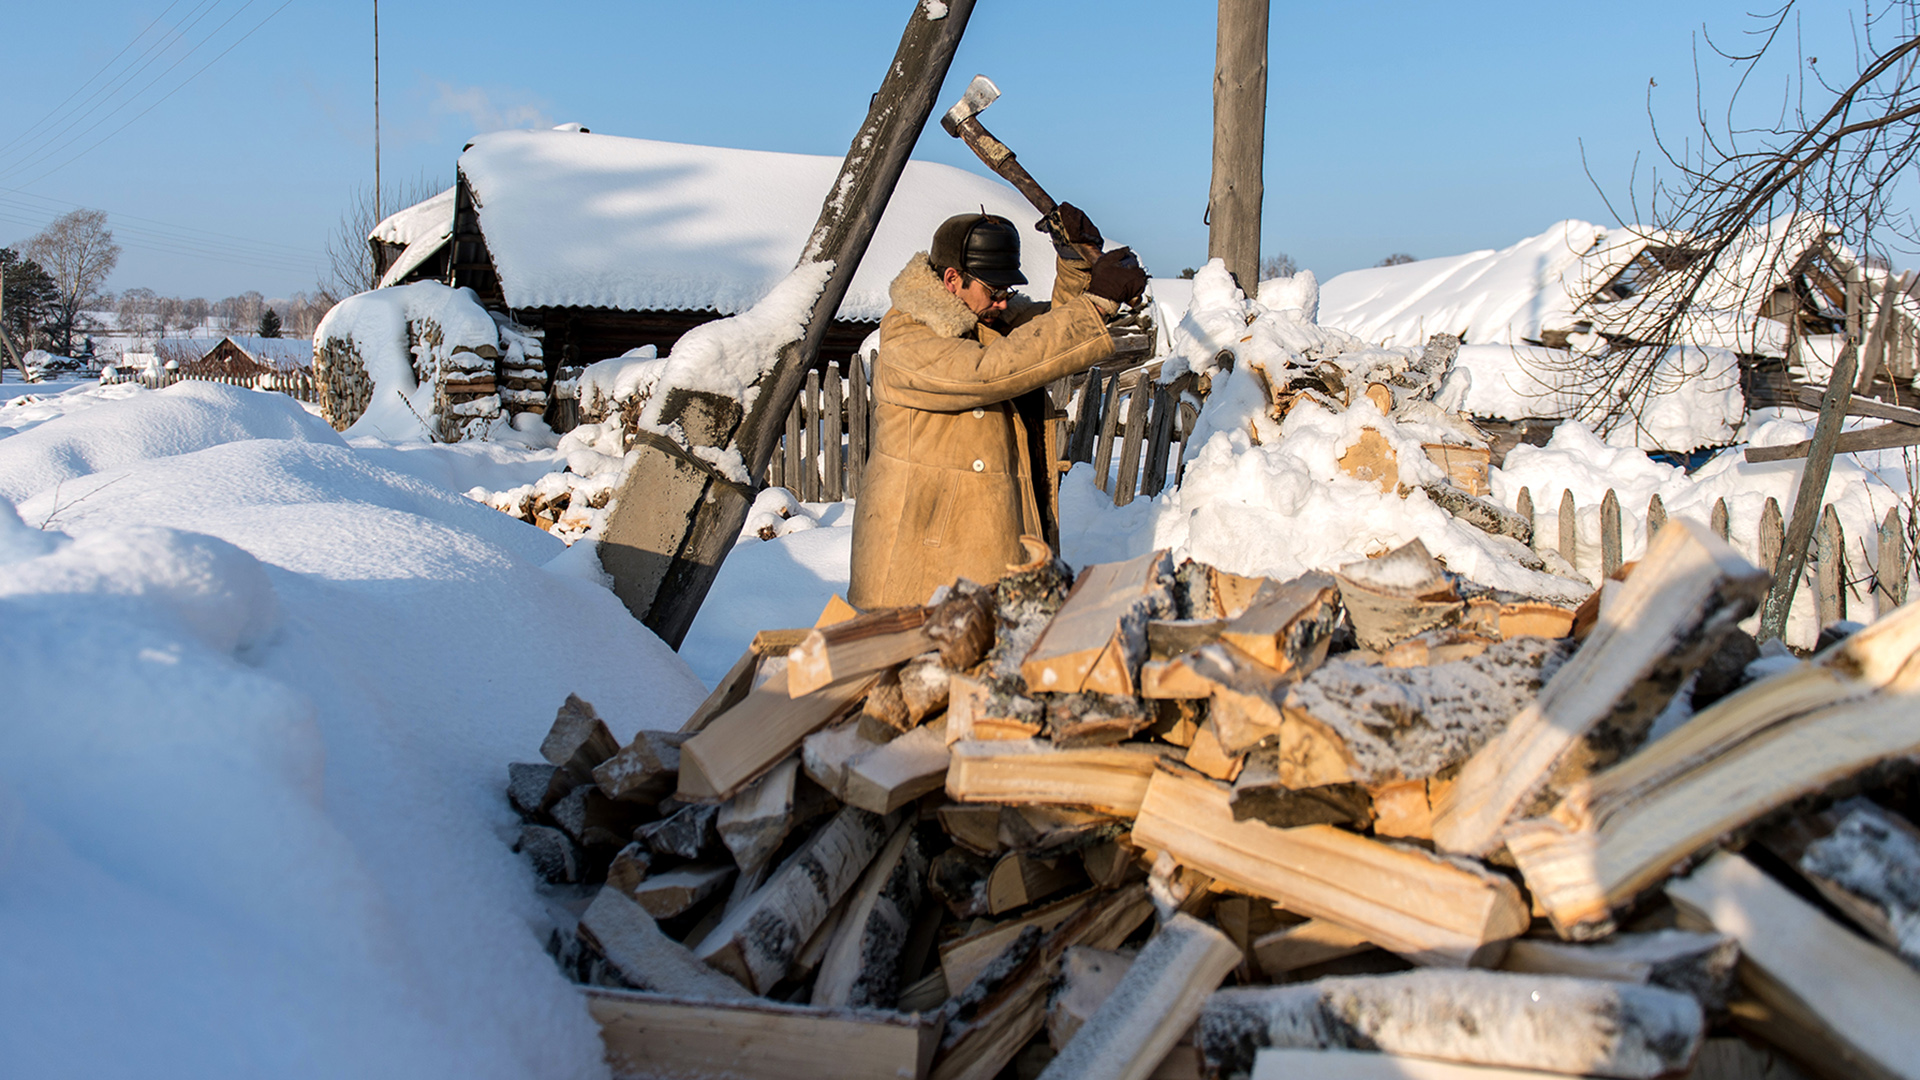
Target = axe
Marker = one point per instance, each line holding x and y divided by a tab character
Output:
963	122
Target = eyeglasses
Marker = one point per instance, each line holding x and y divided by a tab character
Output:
994	295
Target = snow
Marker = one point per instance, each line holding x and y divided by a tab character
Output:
432	217
262	695
1875	856
574	219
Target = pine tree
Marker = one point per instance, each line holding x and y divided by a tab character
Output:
269	323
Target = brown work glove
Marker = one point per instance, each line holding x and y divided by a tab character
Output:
1075	227
1117	277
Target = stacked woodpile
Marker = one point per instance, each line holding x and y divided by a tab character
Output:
1159	821
522	368
341	385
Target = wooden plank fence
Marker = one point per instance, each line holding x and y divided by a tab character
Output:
1097	417
1879	570
296	383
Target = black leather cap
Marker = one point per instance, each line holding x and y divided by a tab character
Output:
979	245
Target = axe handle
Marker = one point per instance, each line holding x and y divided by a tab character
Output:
1002	160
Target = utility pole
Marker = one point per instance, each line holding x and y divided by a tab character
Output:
1239	139
377	215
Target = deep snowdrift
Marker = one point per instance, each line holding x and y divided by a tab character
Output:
261	698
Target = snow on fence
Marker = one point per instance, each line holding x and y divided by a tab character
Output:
1094	418
296	383
1884	578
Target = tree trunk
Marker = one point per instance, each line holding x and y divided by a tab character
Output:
676	516
1239	138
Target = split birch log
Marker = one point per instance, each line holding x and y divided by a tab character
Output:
1261	793
1854	1000
1552	1023
1428	910
645	770
533	787
976	710
826	755
1206	756
578	740
991	1020
687	833
1108	779
924	687
1303	945
678	890
1244	696
756	942
1094	719
1018	880
1045	831
627	936
1693	963
741	744
630	867
1796	734
657	1035
754	823
732	687
1168	638
1274	1064
1396	596
974	826
862	963
859	646
965	957
1155	1003
1099	637
889	777
1087	979
1689	591
1288	625
1869	868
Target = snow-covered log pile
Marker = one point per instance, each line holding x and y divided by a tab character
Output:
1159	819
424	361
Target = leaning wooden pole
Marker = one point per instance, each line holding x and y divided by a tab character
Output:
1239	139
677	514
1811	494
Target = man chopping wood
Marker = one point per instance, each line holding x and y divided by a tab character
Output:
951	484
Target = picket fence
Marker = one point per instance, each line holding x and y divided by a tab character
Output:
1102	418
1883	579
296	383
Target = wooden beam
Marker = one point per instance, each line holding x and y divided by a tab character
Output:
1852	996
1684	597
1239	139
1883	437
1554	1024
1155	1003
650	1035
1426	909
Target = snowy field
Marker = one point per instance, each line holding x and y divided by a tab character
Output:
265	682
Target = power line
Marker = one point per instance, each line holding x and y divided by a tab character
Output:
189	232
51	113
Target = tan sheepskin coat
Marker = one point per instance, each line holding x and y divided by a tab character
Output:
948	489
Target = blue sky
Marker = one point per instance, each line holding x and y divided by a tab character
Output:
1416	127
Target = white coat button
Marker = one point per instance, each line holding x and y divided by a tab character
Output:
978	413
979	466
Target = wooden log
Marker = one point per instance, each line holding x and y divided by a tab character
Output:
1396	596
1046	831
630	867
889	777
767	725
1720	522
1830	568
860	646
1810	495
861	967
1869	868
1371	460
650	1035
687	833
622	931
1893	569
965	957
1551	1023
1699	964
1480	512
1610	549
1168	638
578	740
1795	734
646	770
1208	758
1569	528
1854	998
1018	880
1244	702
554	855
1295	1064
1109	779
974	826
756	943
826	755
1004	1009
1288	625
1155	1003
1087	979
924	686
1097	640
1094	719
754	823
1424	908
1680	603
1259	794
531	787
665	895
1304	945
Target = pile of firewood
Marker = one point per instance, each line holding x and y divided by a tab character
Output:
1173	822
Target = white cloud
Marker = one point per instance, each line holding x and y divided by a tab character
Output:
477	105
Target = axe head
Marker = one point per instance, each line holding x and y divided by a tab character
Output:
980	93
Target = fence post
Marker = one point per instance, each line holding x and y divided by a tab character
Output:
790	449
1721	527
856	424
830	442
1569	527
1830	568
1773	535
810	438
1126	485
1523	506
1890	573
1656	517
1610	535
1103	445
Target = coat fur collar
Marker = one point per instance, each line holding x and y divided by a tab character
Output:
918	292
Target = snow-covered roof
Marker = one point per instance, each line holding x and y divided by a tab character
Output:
266	350
574	219
429	218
